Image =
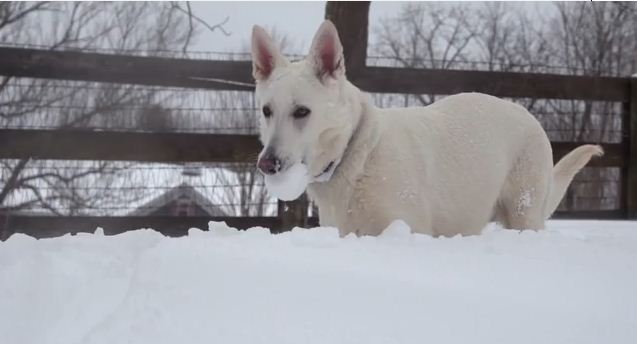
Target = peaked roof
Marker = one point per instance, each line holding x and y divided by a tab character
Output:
178	192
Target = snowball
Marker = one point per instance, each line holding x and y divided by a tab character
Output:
290	184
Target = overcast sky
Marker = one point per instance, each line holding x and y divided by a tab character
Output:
297	20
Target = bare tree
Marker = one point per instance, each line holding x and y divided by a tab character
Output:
192	18
246	192
507	40
594	39
425	35
575	38
135	27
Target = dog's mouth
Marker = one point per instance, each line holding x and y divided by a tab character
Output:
328	169
325	170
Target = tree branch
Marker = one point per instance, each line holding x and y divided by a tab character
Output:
11	181
191	16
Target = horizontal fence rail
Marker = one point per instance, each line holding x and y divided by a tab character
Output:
179	147
52	226
106	145
500	84
237	75
123	69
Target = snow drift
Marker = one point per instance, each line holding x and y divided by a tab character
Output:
575	282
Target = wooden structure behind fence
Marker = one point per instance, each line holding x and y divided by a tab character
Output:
236	75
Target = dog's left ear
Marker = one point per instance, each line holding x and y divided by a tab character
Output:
326	53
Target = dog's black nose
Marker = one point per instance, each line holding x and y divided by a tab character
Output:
269	165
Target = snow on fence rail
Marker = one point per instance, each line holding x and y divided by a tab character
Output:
236	75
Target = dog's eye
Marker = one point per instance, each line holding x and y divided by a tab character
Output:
301	112
267	112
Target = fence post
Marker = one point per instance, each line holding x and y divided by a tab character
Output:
293	214
5	231
351	20
631	169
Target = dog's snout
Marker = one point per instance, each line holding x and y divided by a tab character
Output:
269	164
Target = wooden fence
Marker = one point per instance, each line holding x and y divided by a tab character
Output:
236	75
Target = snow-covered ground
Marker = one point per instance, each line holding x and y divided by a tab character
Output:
573	283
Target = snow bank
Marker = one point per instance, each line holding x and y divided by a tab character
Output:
573	283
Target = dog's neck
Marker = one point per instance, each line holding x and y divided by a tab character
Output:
361	108
350	164
329	169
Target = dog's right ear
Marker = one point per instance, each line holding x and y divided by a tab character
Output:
326	53
265	56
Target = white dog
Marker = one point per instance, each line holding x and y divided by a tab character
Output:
445	169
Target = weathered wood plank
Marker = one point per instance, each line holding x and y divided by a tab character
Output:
177	147
501	84
351	20
123	69
53	226
614	153
70	65
128	146
293	213
615	214
631	140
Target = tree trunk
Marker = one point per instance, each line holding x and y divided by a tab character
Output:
351	21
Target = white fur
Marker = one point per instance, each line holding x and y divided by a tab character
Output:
445	169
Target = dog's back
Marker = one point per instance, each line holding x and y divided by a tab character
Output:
456	155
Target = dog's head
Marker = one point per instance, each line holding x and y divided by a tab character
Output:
305	107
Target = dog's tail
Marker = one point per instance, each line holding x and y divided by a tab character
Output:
566	169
